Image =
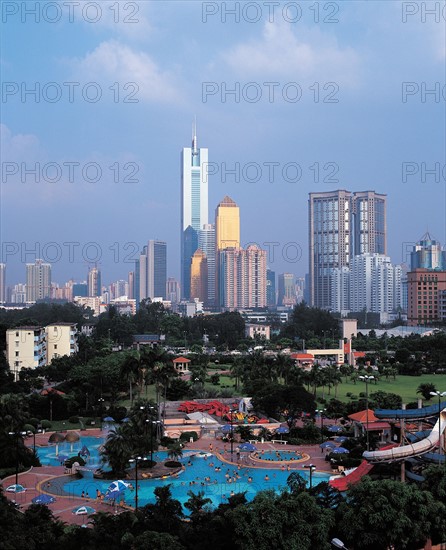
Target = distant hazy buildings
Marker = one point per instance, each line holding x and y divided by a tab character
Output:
194	205
342	224
38	281
94	282
286	290
152	271
271	288
173	293
2	283
206	243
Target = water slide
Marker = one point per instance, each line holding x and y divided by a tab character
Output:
417	448
410	414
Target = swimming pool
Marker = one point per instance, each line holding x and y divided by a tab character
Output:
48	456
278	456
222	483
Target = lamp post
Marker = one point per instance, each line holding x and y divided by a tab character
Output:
311	468
321	412
101	404
338	544
152	422
17	436
367	379
34	438
440	395
232	434
135	460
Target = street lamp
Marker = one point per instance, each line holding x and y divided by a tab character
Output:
101	404
232	433
338	544
321	412
34	438
17	435
367	379
440	395
152	422
310	467
135	460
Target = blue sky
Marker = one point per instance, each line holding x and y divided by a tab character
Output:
163	63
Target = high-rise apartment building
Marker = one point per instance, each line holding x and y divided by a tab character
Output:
369	215
152	266
38	281
270	288
94	282
342	224
199	277
242	278
194	205
206	243
427	254
340	290
2	283
286	290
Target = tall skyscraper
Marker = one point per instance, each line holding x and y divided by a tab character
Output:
227	236
341	224
153	270
131	285
38	281
369	213
199	277
194	204
227	224
286	290
206	243
2	283
270	288
94	282
427	254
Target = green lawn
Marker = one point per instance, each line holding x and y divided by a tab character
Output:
405	386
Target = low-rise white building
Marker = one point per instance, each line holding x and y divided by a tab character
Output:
25	348
60	340
257	331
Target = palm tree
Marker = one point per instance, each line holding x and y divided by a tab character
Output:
175	451
196	504
426	389
130	372
117	450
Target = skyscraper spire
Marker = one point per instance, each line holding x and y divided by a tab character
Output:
194	135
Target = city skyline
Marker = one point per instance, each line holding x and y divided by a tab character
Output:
370	81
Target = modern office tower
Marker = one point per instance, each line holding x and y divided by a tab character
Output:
153	270
329	241
80	289
341	223
60	340
227	235
131	285
2	283
300	289
137	283
94	282
227	224
173	293
286	290
38	281
199	276
194	204
427	254
425	296
340	290
242	278
270	288
369	216
118	289
206	243
25	348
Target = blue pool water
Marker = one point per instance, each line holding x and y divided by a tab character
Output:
192	479
279	455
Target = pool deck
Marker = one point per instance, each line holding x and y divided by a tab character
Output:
35	479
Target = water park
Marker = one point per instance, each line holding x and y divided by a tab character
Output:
73	476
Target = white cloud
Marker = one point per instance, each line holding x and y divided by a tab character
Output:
113	61
16	148
299	55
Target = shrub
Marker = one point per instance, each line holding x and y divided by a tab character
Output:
185	436
172	464
70	461
166	441
73	420
34	421
29	428
46	424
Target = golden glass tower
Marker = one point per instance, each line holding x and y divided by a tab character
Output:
199	276
227	225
